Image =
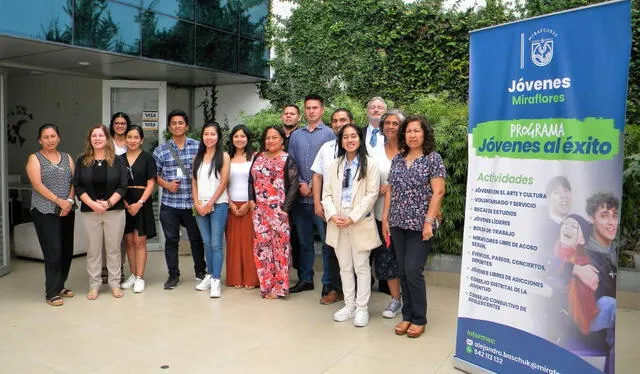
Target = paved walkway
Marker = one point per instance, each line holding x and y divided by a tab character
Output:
239	333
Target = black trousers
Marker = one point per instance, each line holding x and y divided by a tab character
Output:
411	253
171	219
55	235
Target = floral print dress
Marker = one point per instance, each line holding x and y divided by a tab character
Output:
271	245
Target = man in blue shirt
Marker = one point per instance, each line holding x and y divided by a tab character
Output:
174	161
303	147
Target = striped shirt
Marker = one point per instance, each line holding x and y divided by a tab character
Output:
168	170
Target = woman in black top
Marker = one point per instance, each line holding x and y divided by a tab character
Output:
100	182
140	223
50	172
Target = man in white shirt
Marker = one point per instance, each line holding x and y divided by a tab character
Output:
376	107
331	283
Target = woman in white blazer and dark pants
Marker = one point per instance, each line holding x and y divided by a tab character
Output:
348	199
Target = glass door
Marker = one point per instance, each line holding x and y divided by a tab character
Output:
5	260
146	105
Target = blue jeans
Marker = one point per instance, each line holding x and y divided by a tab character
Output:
212	230
305	220
326	252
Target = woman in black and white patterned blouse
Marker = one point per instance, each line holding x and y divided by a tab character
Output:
50	172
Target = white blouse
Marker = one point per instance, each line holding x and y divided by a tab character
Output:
208	184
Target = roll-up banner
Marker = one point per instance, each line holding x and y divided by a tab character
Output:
547	102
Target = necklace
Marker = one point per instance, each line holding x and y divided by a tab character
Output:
54	165
99	162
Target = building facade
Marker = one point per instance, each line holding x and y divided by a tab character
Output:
75	62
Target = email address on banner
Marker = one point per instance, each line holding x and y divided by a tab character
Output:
498	356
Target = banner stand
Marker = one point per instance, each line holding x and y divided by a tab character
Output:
468	367
547	102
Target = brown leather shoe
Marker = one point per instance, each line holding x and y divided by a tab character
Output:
331	297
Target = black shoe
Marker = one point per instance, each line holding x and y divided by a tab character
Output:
326	288
301	286
171	283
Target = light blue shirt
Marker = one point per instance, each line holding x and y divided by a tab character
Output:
347	192
303	147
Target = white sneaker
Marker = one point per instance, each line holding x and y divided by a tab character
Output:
204	284
215	288
361	318
344	314
129	282
138	286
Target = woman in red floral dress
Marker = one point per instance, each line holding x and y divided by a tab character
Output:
272	174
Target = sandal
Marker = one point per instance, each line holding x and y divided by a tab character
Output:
55	301
415	331
67	293
117	292
270	296
402	327
93	294
237	286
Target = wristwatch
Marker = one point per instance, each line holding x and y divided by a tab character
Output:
141	201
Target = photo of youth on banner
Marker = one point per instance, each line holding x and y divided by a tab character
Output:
547	101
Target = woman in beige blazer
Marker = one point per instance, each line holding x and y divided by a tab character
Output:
348	198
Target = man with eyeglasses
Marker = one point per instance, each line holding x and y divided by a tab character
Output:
174	160
331	281
376	107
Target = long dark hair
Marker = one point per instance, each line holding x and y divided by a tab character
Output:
429	143
361	152
217	157
278	129
248	149
115	116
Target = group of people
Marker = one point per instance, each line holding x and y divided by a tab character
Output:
582	258
372	195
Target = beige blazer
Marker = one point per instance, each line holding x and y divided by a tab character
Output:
365	193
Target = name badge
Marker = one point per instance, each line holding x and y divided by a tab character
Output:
179	173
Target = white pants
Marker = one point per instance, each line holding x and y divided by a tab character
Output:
352	261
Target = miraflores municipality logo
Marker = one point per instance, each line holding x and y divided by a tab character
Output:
542	46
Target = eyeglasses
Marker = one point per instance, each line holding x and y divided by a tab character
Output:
119	123
347	177
130	172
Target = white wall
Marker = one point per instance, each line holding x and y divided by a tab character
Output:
75	104
232	100
72	103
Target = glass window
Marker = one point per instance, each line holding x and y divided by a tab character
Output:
253	17
253	58
167	38
108	26
38	19
216	49
222	14
137	3
174	8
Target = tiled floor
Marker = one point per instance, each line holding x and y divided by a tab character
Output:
240	333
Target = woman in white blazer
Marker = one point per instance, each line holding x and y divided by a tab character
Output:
348	198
